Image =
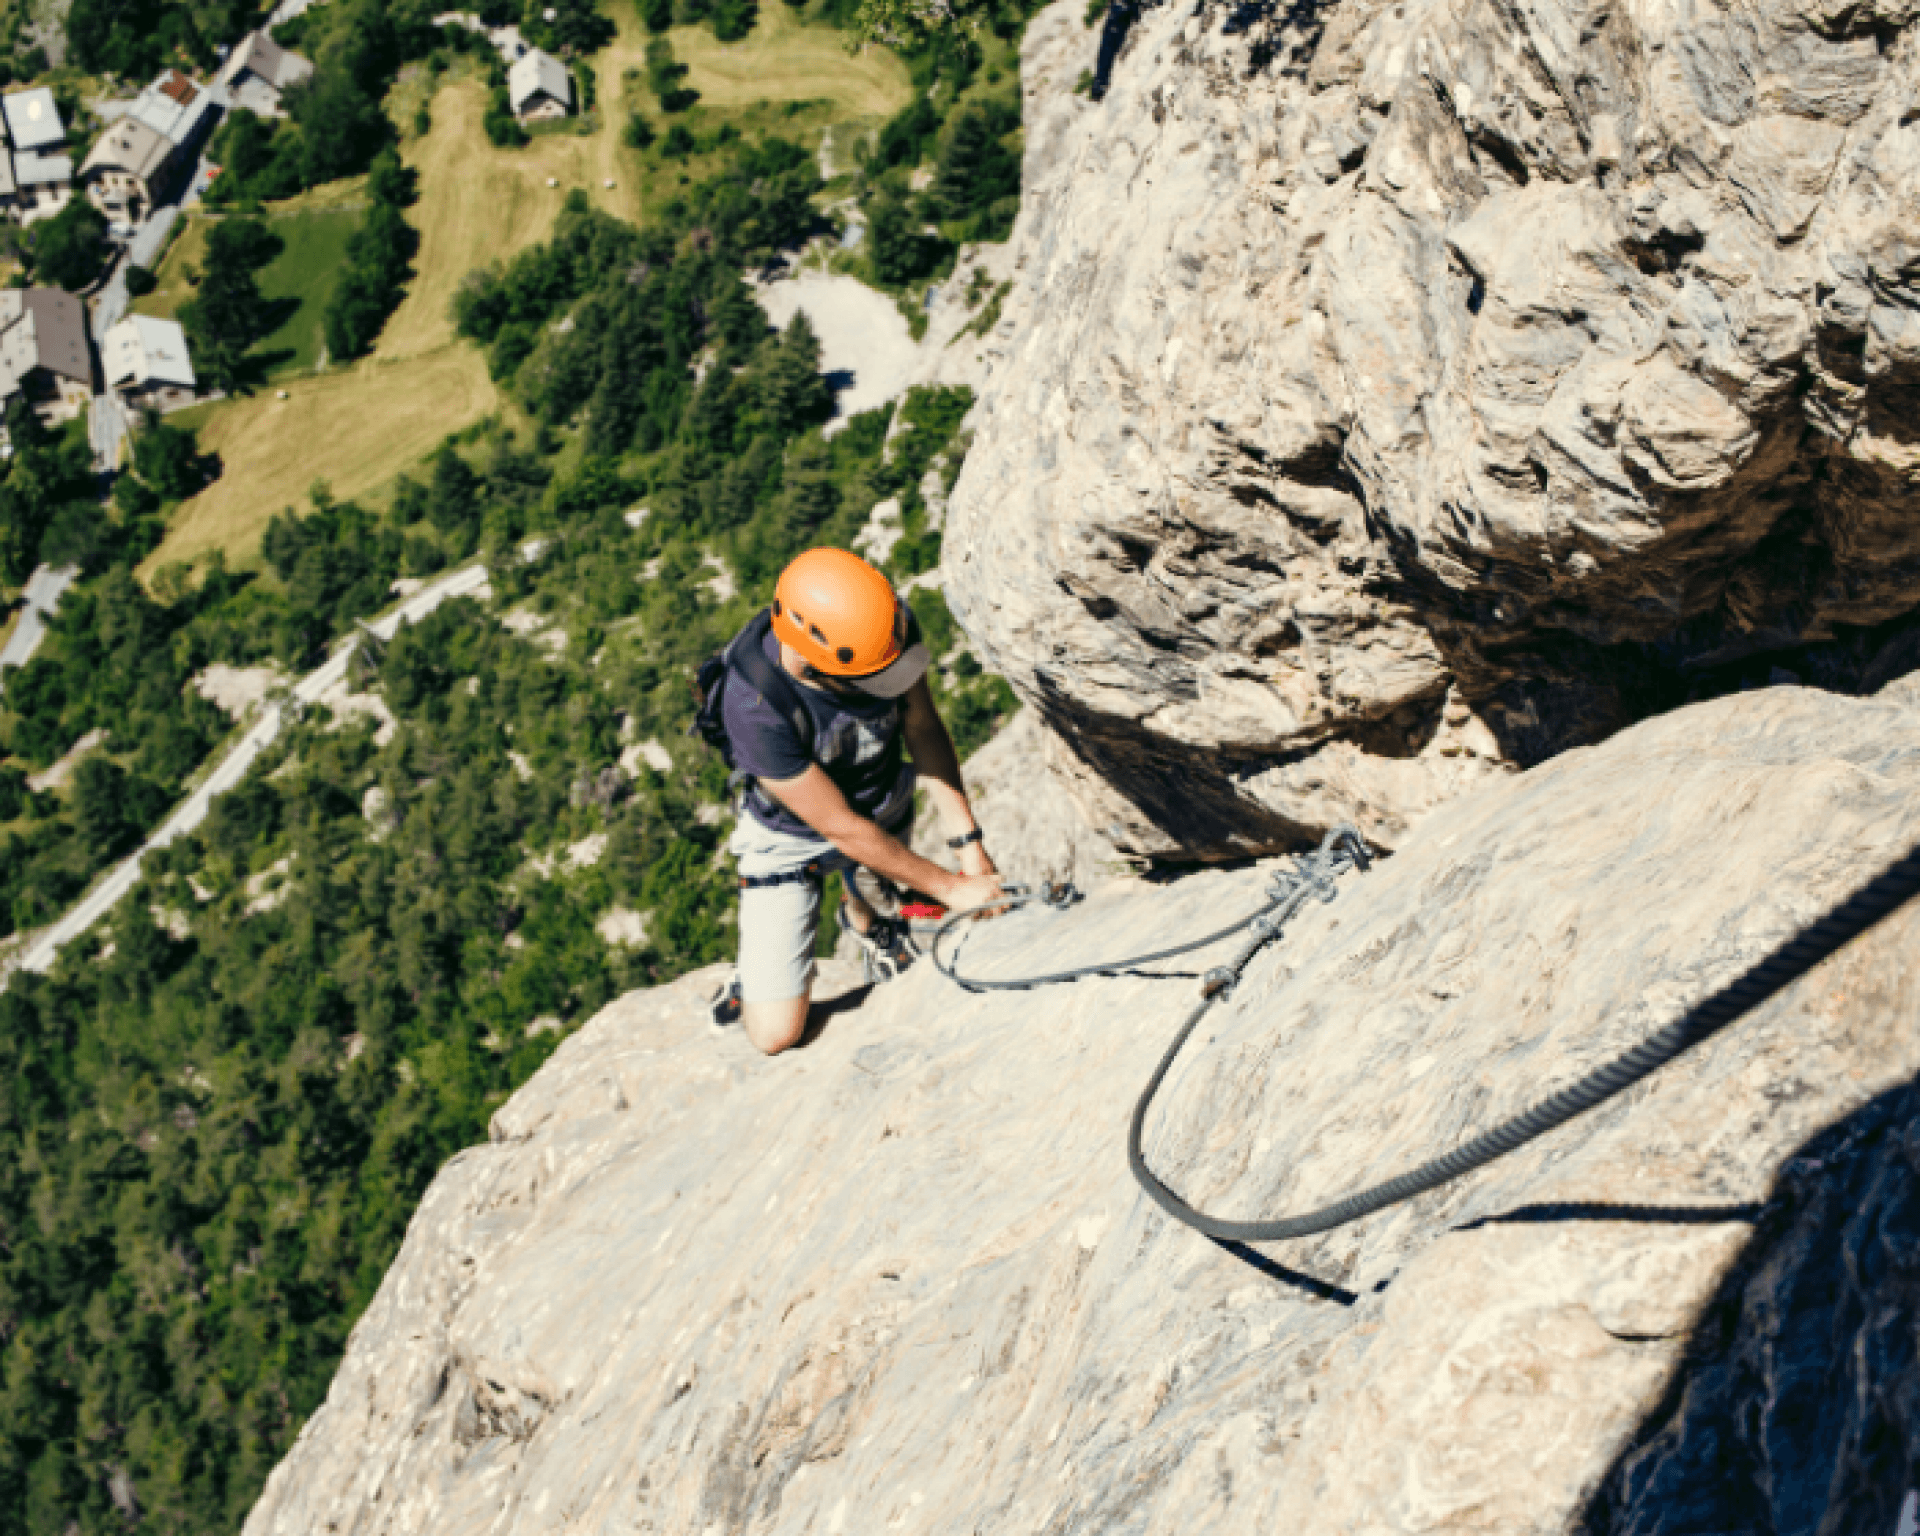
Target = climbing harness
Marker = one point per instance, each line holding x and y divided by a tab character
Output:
813	872
1311	877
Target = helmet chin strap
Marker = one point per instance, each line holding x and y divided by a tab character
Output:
809	673
837	685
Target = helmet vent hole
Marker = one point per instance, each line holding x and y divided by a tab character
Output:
776	607
818	638
798	620
845	653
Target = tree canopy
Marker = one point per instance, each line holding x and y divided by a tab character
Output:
219	1110
70	249
227	314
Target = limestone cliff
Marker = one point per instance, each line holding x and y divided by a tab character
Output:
1394	393
900	1280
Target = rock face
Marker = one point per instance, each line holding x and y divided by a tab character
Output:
1391	394
900	1279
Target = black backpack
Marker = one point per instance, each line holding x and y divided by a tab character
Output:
744	657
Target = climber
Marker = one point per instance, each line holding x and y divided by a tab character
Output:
813	703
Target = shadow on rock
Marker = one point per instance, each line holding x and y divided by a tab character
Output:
1312	1285
1798	1407
823	1011
1602	1210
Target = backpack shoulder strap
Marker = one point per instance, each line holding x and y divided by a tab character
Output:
747	657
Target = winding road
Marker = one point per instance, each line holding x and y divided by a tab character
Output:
40	954
107	426
44	589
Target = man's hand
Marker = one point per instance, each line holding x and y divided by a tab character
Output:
972	891
816	800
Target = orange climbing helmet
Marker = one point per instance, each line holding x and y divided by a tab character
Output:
840	614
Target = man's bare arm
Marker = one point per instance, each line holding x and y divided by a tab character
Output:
816	800
931	748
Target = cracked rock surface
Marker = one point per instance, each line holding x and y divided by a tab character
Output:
901	1280
1391	394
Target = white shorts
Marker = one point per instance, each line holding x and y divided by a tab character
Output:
779	923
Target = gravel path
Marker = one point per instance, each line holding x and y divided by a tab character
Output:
191	812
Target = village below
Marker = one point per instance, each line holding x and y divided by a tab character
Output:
93	352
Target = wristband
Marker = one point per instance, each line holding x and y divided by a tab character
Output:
975	836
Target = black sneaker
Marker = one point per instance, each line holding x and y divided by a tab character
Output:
886	948
727	1007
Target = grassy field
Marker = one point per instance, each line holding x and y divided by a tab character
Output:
480	204
356	429
187	248
783	59
300	279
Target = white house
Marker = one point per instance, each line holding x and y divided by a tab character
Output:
257	71
149	150
129	170
539	87
42	177
44	182
43	351
147	364
178	108
33	121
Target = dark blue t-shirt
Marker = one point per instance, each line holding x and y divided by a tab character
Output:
857	740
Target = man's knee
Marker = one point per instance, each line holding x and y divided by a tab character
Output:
776	1027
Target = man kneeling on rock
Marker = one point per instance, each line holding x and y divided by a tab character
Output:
827	712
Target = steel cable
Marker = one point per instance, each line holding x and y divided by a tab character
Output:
1879	897
1061	897
1311	877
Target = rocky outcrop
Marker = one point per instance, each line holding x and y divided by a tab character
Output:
1392	394
900	1279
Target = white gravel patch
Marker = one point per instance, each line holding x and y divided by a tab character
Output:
536	627
373	810
720	585
622	929
172	922
861	333
581	855
58	774
884	529
270	887
345	704
650	752
236	690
